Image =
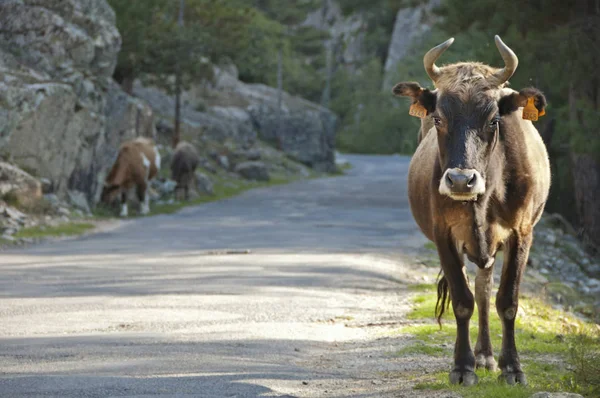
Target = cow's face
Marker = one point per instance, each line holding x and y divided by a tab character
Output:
467	129
110	193
468	125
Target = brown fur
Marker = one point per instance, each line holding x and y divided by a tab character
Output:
129	171
183	166
464	76
514	162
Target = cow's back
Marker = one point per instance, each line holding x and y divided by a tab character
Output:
145	146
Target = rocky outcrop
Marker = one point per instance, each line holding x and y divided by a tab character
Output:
412	23
253	171
232	112
347	32
19	186
58	116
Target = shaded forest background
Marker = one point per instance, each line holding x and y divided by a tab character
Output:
557	42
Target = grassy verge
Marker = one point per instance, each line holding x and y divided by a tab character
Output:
559	352
223	188
67	229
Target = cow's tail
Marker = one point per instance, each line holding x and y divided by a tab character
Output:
443	297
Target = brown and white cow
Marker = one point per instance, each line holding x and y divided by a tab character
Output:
478	183
137	163
183	167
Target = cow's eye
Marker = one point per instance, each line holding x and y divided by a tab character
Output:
494	123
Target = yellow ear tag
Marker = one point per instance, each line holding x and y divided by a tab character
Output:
530	112
417	110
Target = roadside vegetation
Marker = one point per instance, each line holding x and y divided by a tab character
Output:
559	352
46	231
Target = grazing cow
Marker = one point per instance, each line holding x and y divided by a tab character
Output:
137	163
478	183
183	167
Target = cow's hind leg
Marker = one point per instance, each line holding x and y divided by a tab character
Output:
507	303
484	355
144	198
463	304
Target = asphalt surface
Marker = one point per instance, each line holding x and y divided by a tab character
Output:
283	291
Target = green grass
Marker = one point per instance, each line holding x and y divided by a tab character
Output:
559	352
223	188
430	246
68	229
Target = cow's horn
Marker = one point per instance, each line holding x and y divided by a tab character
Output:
432	55
510	63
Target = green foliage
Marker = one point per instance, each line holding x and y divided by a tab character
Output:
372	121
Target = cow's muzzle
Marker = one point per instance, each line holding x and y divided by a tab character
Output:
462	184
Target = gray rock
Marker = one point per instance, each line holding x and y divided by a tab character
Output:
412	23
307	132
347	30
21	185
8	237
165	187
58	97
79	201
224	161
204	184
52	199
14	214
63	211
253	171
555	395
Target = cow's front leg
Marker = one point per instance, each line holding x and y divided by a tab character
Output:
462	304
507	303
484	354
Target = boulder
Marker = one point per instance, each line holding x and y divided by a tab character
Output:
306	134
22	187
555	395
79	201
204	184
253	171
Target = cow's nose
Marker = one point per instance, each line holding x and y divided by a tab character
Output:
461	181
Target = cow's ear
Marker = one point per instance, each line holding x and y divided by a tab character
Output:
514	101
419	95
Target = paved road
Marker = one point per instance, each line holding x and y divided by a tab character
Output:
171	306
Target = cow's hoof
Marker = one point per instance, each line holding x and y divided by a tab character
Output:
465	377
486	361
513	378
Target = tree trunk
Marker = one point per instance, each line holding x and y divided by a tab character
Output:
177	129
279	96
586	183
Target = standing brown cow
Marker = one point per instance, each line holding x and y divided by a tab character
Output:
183	167
478	183
137	163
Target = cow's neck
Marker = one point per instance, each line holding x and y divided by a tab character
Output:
481	209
